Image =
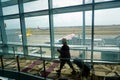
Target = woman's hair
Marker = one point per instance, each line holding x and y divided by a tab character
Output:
64	41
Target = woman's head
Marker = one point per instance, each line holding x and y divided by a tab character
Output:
64	41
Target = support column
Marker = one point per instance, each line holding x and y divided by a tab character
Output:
23	28
50	6
92	32
92	39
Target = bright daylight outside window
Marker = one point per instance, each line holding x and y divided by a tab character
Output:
69	26
36	5
13	32
37	33
65	3
37	28
107	32
10	10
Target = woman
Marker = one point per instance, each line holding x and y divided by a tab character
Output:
65	57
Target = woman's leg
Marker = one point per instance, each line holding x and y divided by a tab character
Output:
71	66
62	63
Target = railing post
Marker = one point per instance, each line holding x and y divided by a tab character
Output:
18	65
86	52
13	51
44	69
2	64
41	51
119	53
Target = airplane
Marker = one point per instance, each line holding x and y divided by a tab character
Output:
42	28
68	37
28	33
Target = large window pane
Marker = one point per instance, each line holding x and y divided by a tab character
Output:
10	10
64	3
4	0
107	32
107	25
37	30
36	5
102	0
88	27
37	34
68	25
90	1
88	35
13	30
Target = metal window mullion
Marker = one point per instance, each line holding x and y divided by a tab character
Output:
3	31
92	33
92	39
76	8
23	28
83	29
14	2
51	28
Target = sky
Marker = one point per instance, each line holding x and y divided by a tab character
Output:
102	17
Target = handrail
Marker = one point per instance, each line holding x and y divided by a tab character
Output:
115	49
73	47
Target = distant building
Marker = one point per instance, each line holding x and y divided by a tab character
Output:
112	41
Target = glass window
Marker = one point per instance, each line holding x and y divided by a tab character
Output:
13	30
68	25
39	51
4	0
102	0
86	34
36	5
10	10
64	3
37	34
14	36
88	25
107	33
107	25
90	1
37	30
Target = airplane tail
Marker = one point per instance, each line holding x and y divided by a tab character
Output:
29	32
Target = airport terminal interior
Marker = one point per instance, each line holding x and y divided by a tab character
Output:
31	32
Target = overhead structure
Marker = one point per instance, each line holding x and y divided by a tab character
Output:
77	8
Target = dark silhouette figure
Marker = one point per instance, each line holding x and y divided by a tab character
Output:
65	57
